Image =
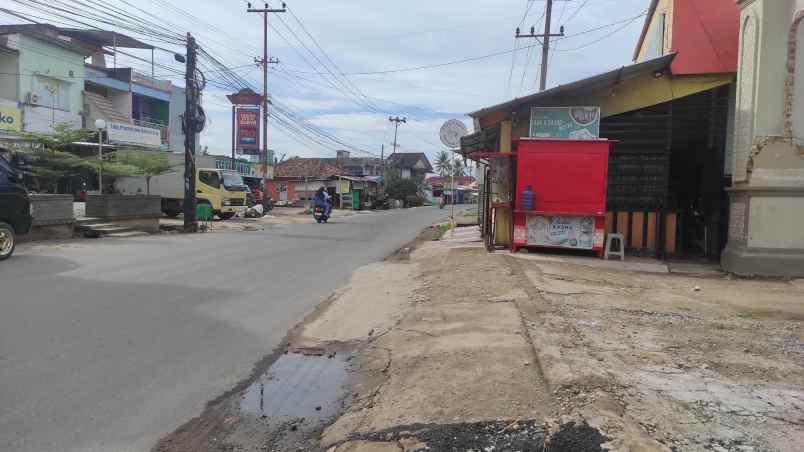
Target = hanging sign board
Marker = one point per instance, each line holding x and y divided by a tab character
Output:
562	231
247	122
573	123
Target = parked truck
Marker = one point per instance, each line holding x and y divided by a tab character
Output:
222	189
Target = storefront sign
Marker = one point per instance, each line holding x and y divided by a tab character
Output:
246	169
574	123
248	131
119	133
565	232
10	119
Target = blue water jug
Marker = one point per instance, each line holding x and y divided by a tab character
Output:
528	198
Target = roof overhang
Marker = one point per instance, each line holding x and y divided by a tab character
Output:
105	38
656	65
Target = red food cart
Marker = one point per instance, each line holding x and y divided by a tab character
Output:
560	198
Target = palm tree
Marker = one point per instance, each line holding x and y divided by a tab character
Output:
443	164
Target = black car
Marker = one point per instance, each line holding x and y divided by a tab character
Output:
15	209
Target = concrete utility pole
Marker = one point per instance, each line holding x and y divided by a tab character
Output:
190	122
396	120
545	43
265	61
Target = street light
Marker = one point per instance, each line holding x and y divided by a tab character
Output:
100	124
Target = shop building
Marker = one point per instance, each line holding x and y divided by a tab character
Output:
670	114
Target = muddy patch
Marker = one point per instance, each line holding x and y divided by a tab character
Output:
283	408
498	436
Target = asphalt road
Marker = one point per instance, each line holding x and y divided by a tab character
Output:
107	345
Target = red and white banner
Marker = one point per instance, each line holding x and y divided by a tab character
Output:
248	131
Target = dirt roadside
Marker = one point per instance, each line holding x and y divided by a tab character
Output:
446	347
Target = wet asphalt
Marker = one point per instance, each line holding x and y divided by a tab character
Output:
109	344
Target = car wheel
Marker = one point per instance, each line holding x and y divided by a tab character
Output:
7	241
172	213
226	215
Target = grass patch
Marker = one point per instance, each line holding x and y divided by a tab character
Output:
441	229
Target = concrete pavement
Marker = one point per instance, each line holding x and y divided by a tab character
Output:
107	345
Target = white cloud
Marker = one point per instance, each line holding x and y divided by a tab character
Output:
367	35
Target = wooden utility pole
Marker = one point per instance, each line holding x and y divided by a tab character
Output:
191	88
265	61
545	42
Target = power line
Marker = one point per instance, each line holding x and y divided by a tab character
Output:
577	10
479	57
583	46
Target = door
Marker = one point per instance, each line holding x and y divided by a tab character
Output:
283	193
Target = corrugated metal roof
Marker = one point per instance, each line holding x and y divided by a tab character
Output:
587	84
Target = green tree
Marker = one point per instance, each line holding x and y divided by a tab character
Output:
399	188
458	168
144	163
443	165
51	157
56	156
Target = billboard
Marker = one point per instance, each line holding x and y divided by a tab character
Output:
247	123
10	118
129	134
574	123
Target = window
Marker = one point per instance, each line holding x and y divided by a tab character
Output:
50	92
405	173
233	181
209	178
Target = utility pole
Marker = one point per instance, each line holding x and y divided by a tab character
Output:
545	42
190	122
396	120
382	166
265	61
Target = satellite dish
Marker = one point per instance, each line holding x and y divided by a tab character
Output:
451	133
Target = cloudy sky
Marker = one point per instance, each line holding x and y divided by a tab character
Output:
389	40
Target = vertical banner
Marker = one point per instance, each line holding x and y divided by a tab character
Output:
247	122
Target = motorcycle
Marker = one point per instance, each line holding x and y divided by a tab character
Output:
320	214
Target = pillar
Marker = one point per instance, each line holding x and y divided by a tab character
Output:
766	224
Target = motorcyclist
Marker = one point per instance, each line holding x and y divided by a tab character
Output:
321	199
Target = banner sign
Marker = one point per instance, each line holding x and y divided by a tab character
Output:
565	232
120	133
10	119
574	123
248	131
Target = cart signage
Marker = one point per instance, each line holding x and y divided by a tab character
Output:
574	123
561	231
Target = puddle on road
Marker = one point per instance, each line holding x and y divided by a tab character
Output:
298	386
